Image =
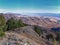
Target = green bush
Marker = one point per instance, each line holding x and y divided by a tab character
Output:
3	25
58	38
12	24
2	34
50	36
38	30
20	23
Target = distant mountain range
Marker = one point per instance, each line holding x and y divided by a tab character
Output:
46	20
44	14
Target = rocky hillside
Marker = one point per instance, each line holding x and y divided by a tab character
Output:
23	36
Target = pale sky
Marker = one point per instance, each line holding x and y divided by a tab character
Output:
30	6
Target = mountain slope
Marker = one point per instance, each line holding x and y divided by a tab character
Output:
23	36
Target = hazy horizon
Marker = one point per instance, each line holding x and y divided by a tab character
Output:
30	6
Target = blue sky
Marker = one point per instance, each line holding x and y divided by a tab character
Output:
40	6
